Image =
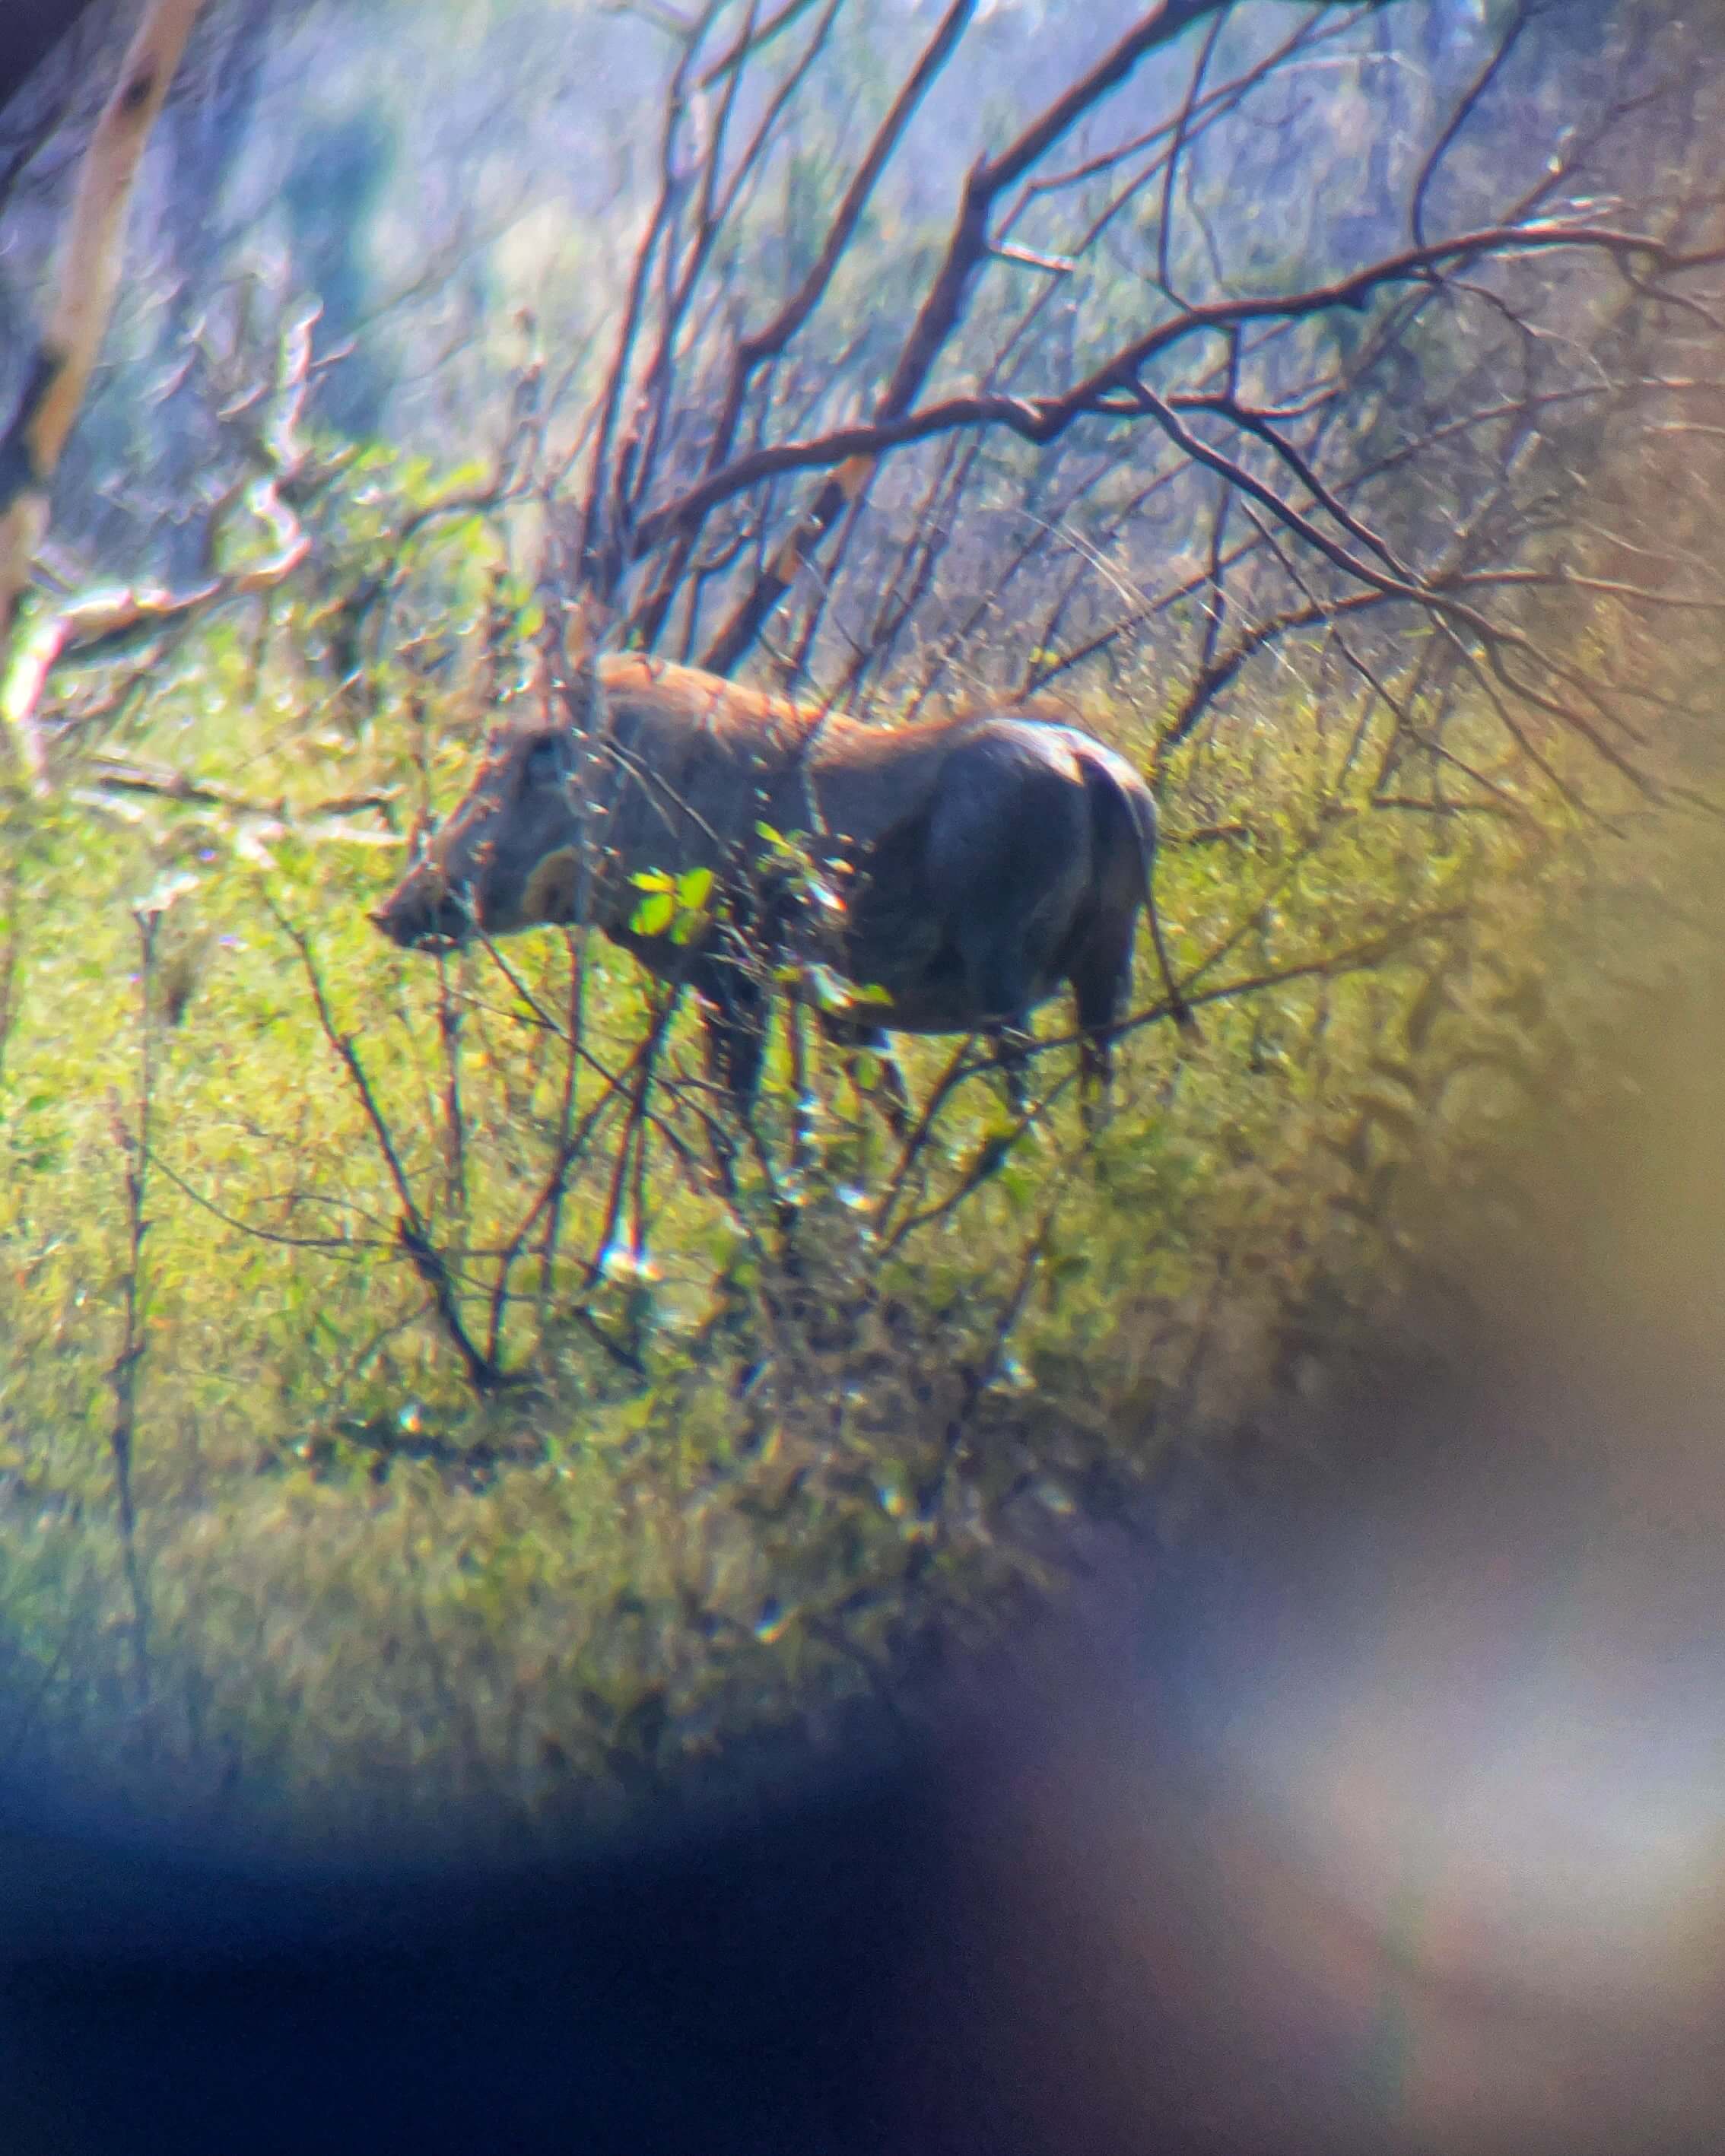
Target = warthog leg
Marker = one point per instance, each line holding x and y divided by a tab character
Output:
1011	1044
892	1095
736	1008
1100	972
889	1094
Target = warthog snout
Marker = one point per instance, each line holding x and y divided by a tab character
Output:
424	912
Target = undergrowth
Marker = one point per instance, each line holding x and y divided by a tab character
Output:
421	1400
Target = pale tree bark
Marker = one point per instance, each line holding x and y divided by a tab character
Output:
87	278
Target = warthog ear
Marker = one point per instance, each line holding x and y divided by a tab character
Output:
585	621
553	887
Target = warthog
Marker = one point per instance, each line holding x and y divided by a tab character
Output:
983	860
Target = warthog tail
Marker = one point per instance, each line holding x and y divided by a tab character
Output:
1126	809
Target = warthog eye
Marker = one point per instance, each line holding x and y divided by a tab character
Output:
545	764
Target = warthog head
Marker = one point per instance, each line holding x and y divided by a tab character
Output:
510	857
507	858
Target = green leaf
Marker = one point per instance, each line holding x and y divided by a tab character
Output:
654	914
1018	1186
695	888
652	880
828	991
873	993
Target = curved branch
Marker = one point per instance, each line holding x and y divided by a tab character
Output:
88	280
945	302
1113	390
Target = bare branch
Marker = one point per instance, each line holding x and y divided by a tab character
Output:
944	303
89	279
90	626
